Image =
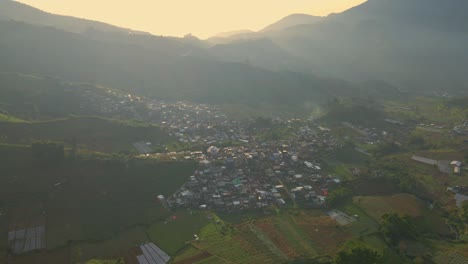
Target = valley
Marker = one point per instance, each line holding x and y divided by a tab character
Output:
340	139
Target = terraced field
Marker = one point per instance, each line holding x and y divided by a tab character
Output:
274	239
324	233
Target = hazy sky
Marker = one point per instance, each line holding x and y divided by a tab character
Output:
202	18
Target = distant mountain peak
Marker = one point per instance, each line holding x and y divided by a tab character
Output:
291	21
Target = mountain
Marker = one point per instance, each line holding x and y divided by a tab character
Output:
289	21
411	44
408	43
292	20
447	16
232	33
261	52
233	36
170	72
11	10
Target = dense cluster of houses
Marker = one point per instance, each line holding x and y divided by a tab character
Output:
259	174
196	123
109	103
368	135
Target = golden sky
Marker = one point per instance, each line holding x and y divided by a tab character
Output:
203	18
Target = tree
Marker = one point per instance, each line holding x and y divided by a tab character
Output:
417	141
395	227
358	255
407	183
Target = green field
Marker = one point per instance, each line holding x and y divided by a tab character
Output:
172	234
99	134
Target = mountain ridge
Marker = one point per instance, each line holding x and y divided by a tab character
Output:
149	71
416	45
13	10
292	20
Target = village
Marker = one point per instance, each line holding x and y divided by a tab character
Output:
256	174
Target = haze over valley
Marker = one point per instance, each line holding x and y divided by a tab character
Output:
334	138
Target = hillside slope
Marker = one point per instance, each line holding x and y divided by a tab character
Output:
292	20
35	97
418	44
147	71
12	10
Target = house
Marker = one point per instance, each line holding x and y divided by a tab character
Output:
456	166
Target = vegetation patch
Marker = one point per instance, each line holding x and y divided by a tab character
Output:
377	206
375	187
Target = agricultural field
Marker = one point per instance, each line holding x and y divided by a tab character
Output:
348	155
57	256
285	236
376	206
111	248
447	253
273	239
404	204
224	242
365	224
426	109
94	133
107	261
325	233
177	230
190	254
431	181
88	200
